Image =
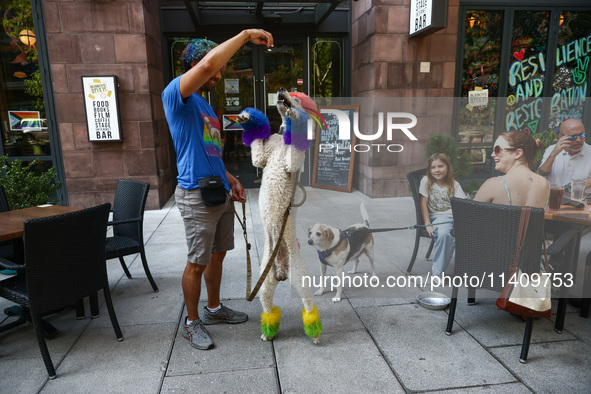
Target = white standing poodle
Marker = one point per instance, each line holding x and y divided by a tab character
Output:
281	156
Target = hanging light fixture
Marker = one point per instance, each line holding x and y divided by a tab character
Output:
27	37
561	19
471	21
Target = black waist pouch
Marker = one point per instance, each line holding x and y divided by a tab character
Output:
213	192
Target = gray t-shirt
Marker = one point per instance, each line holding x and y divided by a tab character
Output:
438	201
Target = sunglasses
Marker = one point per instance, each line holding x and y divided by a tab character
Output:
574	137
498	149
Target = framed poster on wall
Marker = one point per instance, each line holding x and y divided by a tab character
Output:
101	102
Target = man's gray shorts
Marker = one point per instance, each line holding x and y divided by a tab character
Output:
207	229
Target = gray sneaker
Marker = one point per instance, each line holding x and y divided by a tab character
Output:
198	335
224	315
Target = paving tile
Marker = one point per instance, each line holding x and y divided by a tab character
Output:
21	341
540	373
98	363
16	380
493	327
414	342
247	380
305	367
236	346
505	388
135	302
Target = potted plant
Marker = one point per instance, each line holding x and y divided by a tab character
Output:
25	185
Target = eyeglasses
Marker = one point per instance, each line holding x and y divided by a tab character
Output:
574	137
498	149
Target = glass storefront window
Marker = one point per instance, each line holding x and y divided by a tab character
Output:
176	49
535	62
22	111
234	93
283	68
571	75
326	67
480	75
525	78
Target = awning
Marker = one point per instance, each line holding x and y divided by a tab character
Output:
260	12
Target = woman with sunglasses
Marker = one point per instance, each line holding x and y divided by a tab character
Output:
513	153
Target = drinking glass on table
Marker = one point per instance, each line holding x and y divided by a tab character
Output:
577	189
556	193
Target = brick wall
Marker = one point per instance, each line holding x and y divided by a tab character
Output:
386	63
109	38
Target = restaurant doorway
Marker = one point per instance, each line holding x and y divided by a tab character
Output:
312	65
251	79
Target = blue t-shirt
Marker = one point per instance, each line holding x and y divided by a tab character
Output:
195	131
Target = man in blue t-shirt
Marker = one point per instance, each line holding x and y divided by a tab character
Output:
195	132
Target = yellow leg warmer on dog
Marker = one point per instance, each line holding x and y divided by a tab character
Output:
270	322
312	324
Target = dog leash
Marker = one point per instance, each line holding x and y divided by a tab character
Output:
414	226
245	234
323	255
250	295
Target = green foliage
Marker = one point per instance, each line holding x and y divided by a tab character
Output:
19	16
460	160
548	137
471	187
35	90
322	67
25	186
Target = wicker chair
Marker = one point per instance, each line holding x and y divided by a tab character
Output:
414	179
128	224
486	241
64	262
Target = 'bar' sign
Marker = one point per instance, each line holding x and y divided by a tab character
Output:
427	16
102	108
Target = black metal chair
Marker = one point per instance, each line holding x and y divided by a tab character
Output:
128	224
486	241
64	262
414	179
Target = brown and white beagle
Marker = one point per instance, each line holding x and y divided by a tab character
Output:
336	247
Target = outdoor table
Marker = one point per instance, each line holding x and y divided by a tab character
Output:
569	214
12	222
576	216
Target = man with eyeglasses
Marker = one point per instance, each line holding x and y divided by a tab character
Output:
570	157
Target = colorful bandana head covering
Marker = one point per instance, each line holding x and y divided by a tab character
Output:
195	50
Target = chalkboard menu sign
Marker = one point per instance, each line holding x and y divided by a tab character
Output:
334	158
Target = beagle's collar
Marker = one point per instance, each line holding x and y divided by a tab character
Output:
324	254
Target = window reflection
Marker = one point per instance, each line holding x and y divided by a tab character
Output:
326	67
525	78
22	111
480	75
283	69
571	75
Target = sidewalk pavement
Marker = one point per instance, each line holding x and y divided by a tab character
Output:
373	340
